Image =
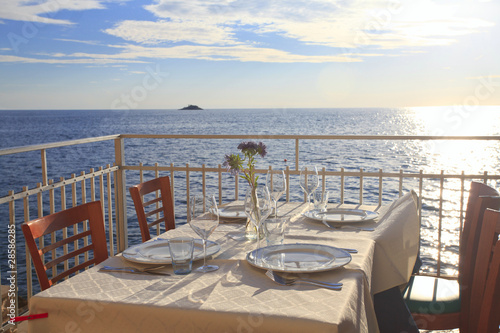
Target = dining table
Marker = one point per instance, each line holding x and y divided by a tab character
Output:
239	297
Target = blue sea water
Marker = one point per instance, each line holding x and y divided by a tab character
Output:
20	128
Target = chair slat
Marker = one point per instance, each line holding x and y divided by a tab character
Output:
150	202
64	241
153	212
70	255
151	224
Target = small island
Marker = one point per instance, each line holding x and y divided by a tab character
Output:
191	107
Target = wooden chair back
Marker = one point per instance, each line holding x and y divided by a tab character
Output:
153	199
485	272
481	198
489	318
63	256
473	214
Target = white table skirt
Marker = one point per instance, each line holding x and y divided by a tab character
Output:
238	297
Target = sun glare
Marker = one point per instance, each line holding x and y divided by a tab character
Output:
467	155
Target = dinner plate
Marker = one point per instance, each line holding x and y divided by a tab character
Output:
299	258
341	215
157	252
232	212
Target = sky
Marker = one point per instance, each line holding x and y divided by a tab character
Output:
159	54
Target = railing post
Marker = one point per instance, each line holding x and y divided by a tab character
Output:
296	154
120	187
43	155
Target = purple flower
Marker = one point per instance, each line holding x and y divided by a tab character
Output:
248	145
262	150
251	148
232	163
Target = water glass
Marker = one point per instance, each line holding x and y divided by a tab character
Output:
276	184
181	252
309	181
275	230
321	200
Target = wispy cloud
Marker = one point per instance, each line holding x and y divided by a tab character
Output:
333	23
131	53
78	41
44	11
66	61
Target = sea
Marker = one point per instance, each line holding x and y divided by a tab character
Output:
30	127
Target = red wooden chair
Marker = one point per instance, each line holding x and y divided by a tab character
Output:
489	316
437	303
147	204
484	273
48	259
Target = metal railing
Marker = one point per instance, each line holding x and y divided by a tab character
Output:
108	184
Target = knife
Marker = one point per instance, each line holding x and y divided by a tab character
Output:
130	270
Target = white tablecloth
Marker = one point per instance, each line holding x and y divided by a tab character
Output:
238	297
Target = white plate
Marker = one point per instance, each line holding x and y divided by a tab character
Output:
340	215
233	212
157	252
299	258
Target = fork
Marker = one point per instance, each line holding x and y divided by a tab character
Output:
339	227
287	281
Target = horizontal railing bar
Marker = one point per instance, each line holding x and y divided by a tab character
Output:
65	182
308	137
327	173
23	149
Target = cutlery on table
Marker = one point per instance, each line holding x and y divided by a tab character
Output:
132	270
340	227
288	281
353	251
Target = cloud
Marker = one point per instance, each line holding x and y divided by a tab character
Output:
78	41
331	23
67	61
198	32
131	53
44	11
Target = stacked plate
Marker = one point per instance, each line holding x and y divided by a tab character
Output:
232	212
157	252
339	215
299	258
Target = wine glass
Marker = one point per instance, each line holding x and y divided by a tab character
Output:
204	218
276	183
258	206
309	181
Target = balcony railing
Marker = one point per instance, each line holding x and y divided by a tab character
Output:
108	183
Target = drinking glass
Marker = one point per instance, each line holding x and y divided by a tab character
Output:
309	181
258	206
181	252
275	230
204	218
321	200
276	183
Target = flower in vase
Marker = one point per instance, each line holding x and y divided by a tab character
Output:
235	163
